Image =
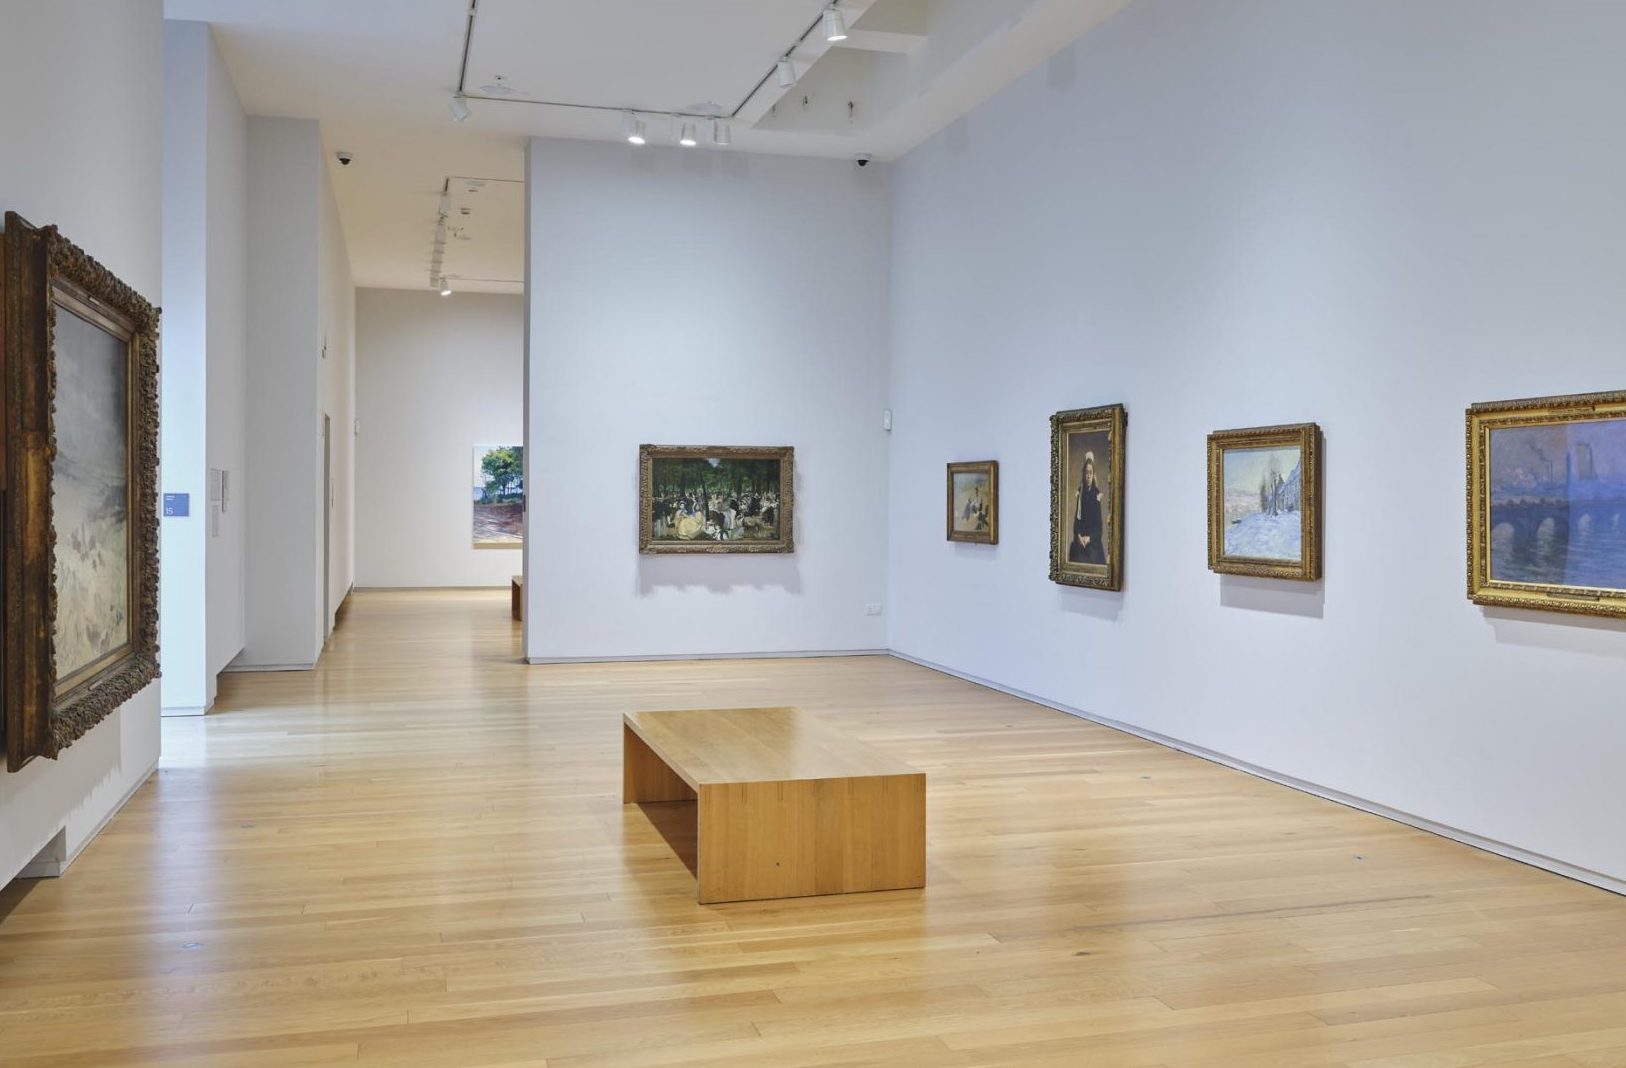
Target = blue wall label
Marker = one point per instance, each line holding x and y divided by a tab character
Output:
177	504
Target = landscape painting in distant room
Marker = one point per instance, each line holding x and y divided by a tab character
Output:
1547	503
499	496
973	502
720	499
90	490
1264	515
1087	497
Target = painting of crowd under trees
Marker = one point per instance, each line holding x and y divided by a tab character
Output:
717	499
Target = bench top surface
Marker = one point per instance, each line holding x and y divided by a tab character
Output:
710	746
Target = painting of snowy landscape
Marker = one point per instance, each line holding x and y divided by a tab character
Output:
90	495
1263	501
1558	504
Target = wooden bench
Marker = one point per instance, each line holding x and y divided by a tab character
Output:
787	806
517	592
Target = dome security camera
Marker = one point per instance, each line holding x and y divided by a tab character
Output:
344	158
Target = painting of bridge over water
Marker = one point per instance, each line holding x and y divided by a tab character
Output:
1558	504
1547	503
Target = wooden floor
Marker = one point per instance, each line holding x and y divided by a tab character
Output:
417	855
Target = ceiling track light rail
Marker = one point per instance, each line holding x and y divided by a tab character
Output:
831	23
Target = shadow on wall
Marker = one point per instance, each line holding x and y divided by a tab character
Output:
720	572
1102	604
1560	631
1308	599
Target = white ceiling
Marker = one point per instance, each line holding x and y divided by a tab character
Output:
379	74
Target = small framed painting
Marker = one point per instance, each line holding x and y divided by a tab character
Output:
499	496
973	502
1264	502
716	499
1087	497
1547	503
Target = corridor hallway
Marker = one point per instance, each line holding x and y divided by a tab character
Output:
416	855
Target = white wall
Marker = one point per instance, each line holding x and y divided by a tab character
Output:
228	362
702	298
281	488
301	365
1368	215
435	376
205	265
84	156
336	384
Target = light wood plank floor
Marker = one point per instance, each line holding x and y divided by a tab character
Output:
417	855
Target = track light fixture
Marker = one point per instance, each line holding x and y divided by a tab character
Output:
460	107
835	26
445	288
787	73
632	128
688	138
722	134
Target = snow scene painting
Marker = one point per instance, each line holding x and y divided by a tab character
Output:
1263	502
1558	504
90	490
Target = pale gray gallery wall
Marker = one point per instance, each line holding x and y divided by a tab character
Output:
86	156
227	363
336	400
435	376
703	298
282	489
301	366
205	337
1367	215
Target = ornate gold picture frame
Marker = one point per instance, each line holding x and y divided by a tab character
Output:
973	502
1264	502
79	350
1547	503
716	499
1087	447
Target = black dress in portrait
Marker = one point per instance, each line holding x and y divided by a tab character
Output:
1087	523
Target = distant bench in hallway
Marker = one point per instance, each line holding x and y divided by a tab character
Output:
787	806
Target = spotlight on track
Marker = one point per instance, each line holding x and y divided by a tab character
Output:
459	107
835	26
632	128
688	138
787	73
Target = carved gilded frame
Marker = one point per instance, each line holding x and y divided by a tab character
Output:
1481	421
41	272
977	467
1306	437
784	454
1112	420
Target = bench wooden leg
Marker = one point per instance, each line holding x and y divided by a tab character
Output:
644	776
817	836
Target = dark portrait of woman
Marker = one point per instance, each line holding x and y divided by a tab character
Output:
1086	547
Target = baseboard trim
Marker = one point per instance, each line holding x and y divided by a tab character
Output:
420	589
802	654
239	668
1421	823
56	868
184	711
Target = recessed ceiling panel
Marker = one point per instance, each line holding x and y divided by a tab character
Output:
655	55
